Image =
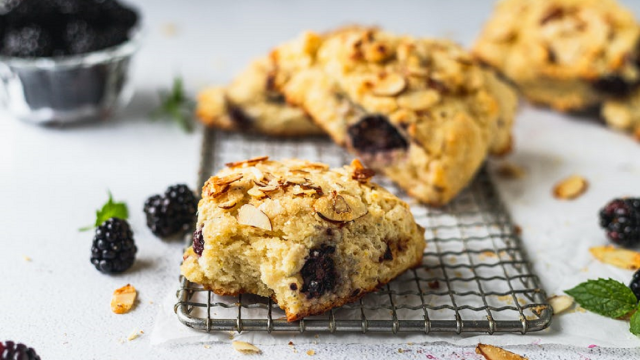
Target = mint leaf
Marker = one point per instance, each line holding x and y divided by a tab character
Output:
109	210
606	297
635	323
176	106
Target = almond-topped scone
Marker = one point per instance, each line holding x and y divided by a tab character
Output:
250	103
571	55
421	111
309	237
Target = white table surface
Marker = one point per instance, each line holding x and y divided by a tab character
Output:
53	179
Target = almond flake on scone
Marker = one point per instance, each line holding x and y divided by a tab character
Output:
421	111
309	237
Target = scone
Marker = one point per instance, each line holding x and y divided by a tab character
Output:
309	237
421	111
571	55
250	104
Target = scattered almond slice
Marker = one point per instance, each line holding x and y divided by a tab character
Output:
123	299
510	171
560	303
340	208
134	335
360	173
622	258
570	188
249	162
389	85
252	216
245	347
310	352
491	352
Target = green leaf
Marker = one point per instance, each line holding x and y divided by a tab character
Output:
634	327
175	106
606	297
109	210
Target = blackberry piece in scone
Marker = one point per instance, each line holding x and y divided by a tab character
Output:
421	111
309	237
250	104
571	55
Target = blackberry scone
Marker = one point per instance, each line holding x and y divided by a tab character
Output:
571	55
250	104
421	111
309	237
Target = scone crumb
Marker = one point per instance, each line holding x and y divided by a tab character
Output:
123	299
570	188
510	171
207	346
134	335
26	258
311	352
252	216
622	258
245	347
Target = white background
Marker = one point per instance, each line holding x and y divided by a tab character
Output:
53	179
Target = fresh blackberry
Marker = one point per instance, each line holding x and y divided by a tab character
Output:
28	41
12	351
114	249
635	284
118	13
172	212
621	219
79	37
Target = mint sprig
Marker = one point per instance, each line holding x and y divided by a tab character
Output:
109	209
609	298
175	105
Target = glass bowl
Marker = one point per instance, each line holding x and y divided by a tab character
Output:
68	89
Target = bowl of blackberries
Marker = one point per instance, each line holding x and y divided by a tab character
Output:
65	61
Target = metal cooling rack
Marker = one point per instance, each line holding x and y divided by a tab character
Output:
474	277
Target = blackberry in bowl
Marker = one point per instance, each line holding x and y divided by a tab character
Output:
66	60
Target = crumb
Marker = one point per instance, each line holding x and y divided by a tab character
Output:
207	346
433	284
517	229
134	335
245	347
510	171
311	352
169	29
290	343
409	343
151	302
570	188
26	258
506	298
400	351
317	336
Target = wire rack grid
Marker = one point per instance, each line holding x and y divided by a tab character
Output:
475	276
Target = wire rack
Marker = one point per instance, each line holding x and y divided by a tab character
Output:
474	277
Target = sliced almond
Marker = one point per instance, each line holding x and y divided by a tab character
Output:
360	173
245	347
256	193
389	84
340	208
226	179
268	188
419	100
257	173
622	258
510	171
560	303
123	299
296	180
252	216
249	162
570	188
491	352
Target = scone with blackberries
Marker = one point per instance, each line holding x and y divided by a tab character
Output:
571	55
421	111
309	237
250	104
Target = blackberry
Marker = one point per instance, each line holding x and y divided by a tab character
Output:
621	219
28	41
172	212
374	133
79	37
635	284
198	242
12	351
114	249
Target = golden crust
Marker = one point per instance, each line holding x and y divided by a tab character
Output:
279	229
